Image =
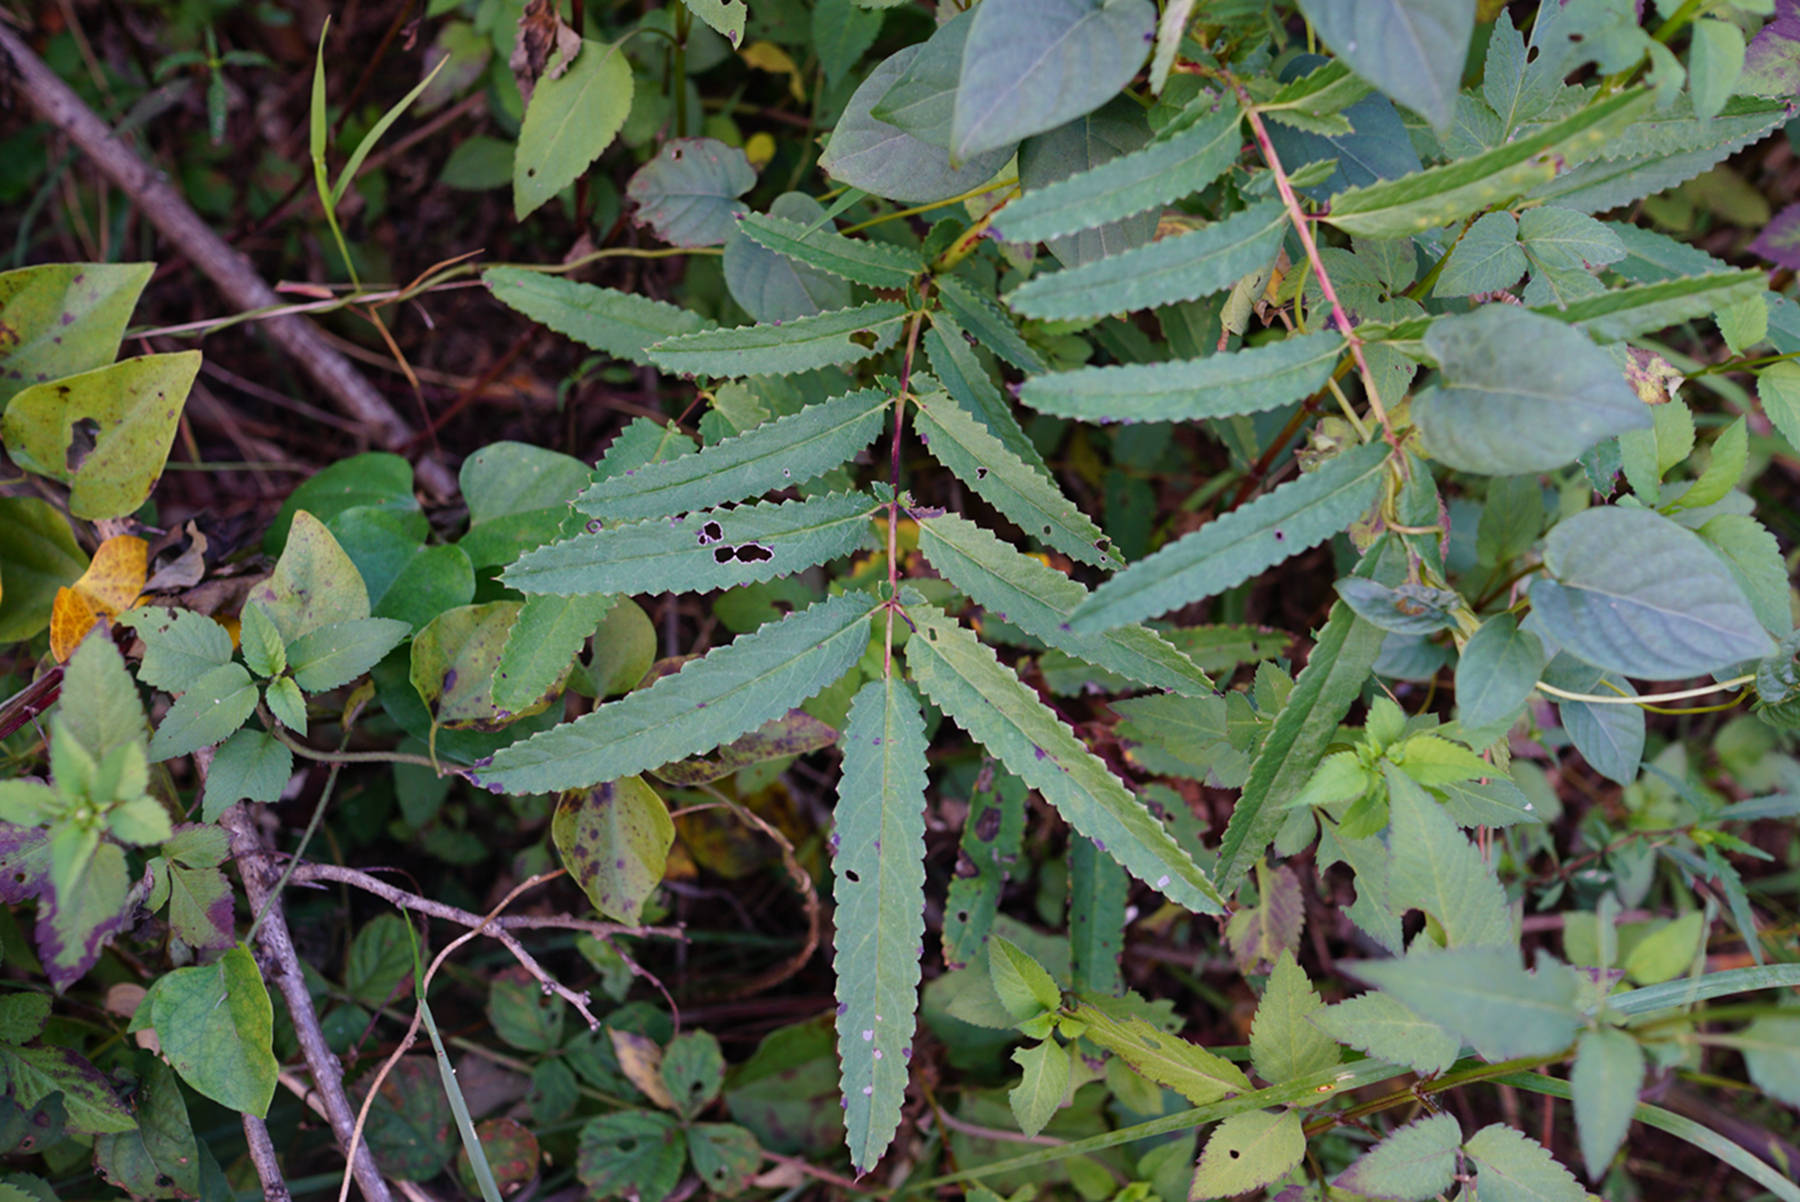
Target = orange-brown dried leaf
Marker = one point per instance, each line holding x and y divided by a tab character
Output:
110	586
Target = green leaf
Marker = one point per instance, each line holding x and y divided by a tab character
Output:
1437	870
1223	385
264	652
1730	455
1485	996
33	1074
1188	1069
1413	50
570	120
1314	102
1248	1151
877	264
991	327
216	1027
314	582
1756	563
784	348
1496	673
842	33
725	1155
1175	269
988	701
200	911
1610	737
1772	1055
452	661
134	406
1038	599
1162	172
1512	1167
218	703
1632	592
1715	60
954	363
283	698
523	1015
725	16
1040	1092
1098	891
1413	1163
614	839
543	644
1031	65
636	1150
991	836
1024	988
1383	1027
1297	516
1609	1071
867	152
38	555
518	494
380	959
22	1016
620	323
788	451
1500	413
878	882
711	549
962	444
773	287
1283	1044
63	319
1438	196
1668	951
922	98
377	480
106	713
1487	258
1169	31
334	655
406	580
793	733
1115	128
729	692
1778	387
249	766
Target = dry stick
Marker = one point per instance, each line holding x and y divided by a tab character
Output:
170	213
263	1156
282	966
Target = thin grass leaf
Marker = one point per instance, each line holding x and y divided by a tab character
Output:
1251	539
988	701
878	853
711	549
787	451
459	1105
730	692
779	348
619	323
1222	385
370	139
1039	599
876	264
979	460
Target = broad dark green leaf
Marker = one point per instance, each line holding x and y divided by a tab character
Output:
1222	385
620	323
785	348
772	286
1610	737
249	766
1484	995
1496	672
40	555
1097	896
1413	50
1082	145
639	1151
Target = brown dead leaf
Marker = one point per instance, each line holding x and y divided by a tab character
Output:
546	46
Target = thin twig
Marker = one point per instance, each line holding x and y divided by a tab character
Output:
264	1157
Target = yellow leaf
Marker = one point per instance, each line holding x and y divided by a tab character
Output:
109	587
759	149
767	56
641	1059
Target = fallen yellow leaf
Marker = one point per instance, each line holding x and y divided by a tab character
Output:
111	584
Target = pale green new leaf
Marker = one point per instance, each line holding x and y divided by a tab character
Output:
785	348
876	264
987	700
878	870
1182	390
1314	102
1437	196
215	1024
1038	599
711	549
1045	1084
1383	1027
620	323
1283	1044
180	645
1512	1167
1025	988
1414	1162
217	703
787	451
1248	1151
1187	1068
1175	269
730	692
1158	174
1608	1072
1245	542
962	444
542	645
1436	869
570	120
1484	995
336	654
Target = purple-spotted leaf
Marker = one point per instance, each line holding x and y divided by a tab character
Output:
614	839
453	663
512	1155
33	1074
57	319
76	922
200	906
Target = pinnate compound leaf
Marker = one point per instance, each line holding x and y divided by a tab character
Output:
877	264
1031	65
542	645
778	348
1283	1044
570	120
1502	414
1249	540
1414	1162
878	851
1608	1072
1181	390
956	366
1413	50
1498	669
1175	269
614	839
962	444
711	549
787	451
1314	102
619	323
64	319
989	702
1485	996
1098	891
1038	1095
1383	1027
794	733
1145	179
1512	1167
216	1027
1632	592
983	318
1248	1151
1436	869
1039	599
218	703
730	692
252	765
1188	1069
